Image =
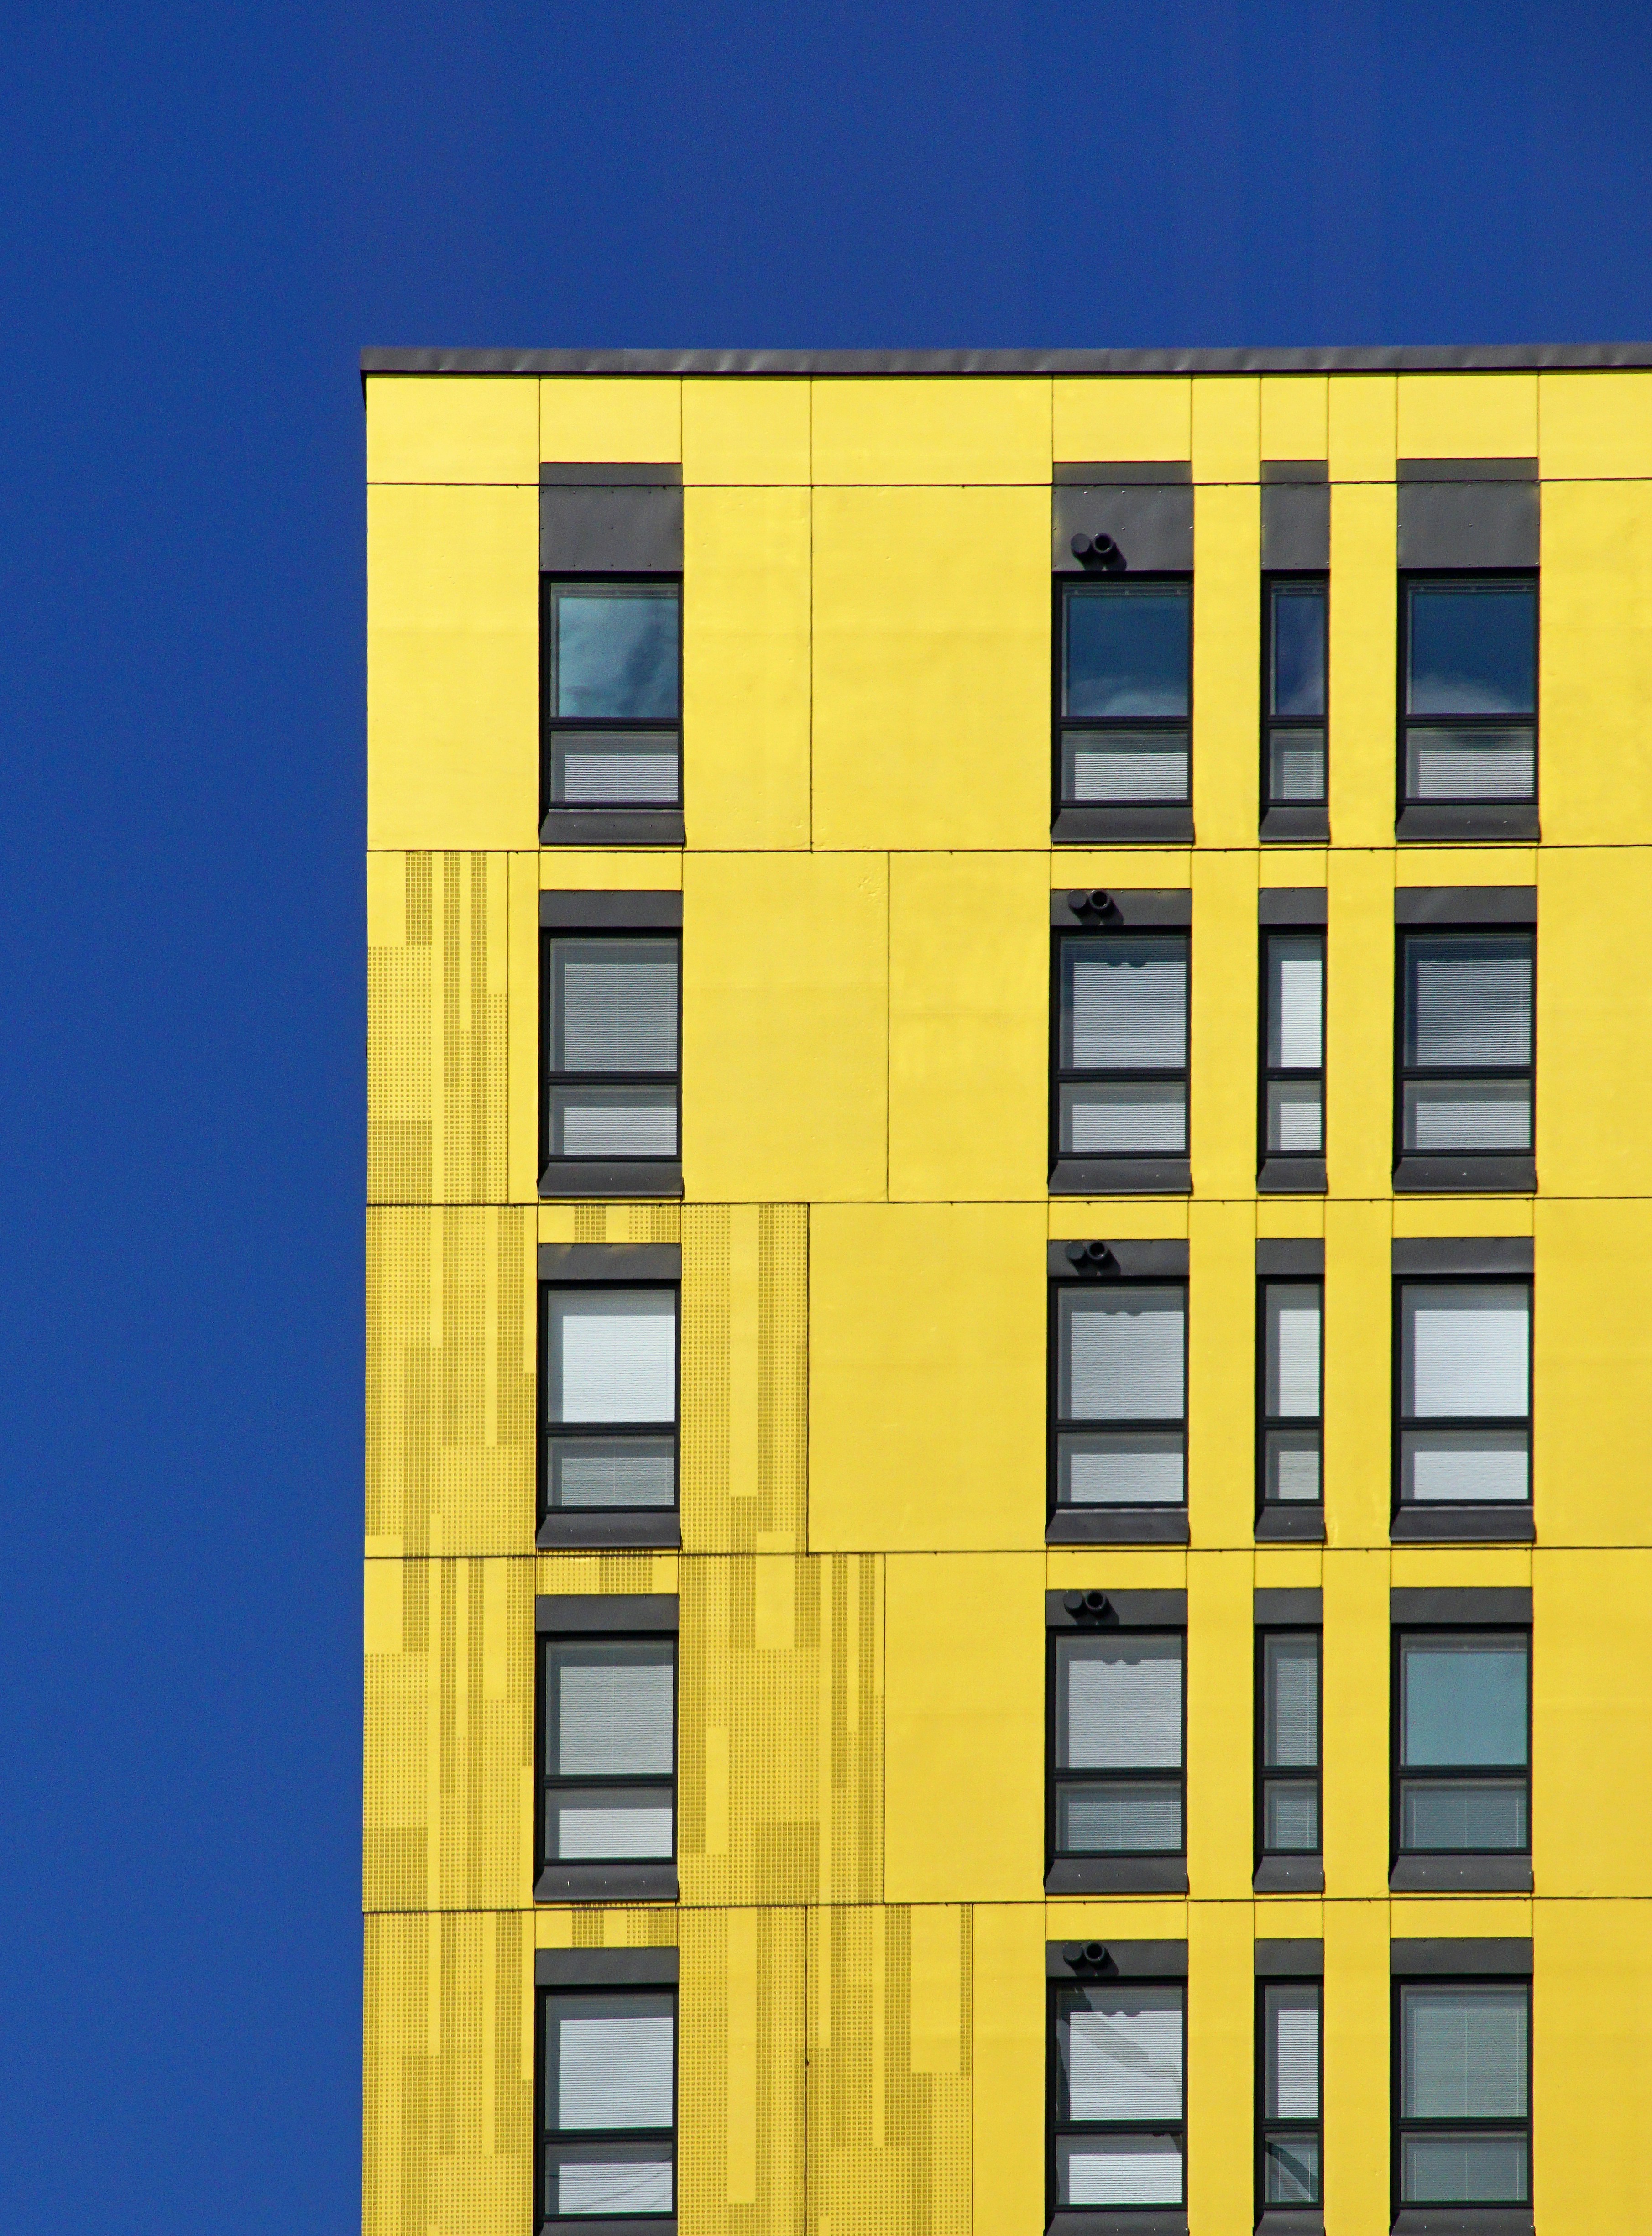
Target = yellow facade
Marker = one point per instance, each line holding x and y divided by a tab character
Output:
864	1228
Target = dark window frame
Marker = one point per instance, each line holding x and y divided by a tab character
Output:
599	1619
1403	1511
1267	2128
546	2138
1460	1171
1138	2220
619	823
1283	1517
1124	815
573	1268
1154	1615
1116	1524
1271	809
1127	1172
1309	1861
606	1175
1445	2219
1483	818
1464	1870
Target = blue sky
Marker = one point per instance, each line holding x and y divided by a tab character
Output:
207	211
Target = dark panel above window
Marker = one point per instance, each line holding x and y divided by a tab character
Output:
1468	512
609	520
1150	522
1296	528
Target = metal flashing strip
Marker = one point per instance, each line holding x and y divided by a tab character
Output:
1471	357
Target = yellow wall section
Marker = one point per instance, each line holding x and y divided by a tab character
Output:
423	429
1221	1081
1226	428
1468	415
1123	419
741	2028
1294	408
1594	741
1008	2110
1356	1991
1362	427
745	431
1591	1697
1359	1022
1594	424
1227	663
1358	1340
1591	2079
965	430
1594	1021
1221	1992
1362	680
1355	1681
1220	1372
1592	1369
636	420
1221	1637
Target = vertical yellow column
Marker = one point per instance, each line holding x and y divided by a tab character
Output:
1358	1287
1226	657
1359	1010
1356	1723
1356	2068
1223	1021
1219	1725
1220	1372
1363	653
1221	2037
1009	2077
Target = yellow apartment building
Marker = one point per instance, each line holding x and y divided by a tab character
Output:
1008	1278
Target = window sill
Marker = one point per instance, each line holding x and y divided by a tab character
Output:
1518	819
1467	1175
1292	2220
615	1177
1121	1176
1295	825
1104	826
1118	1525
607	1883
1301	1525
1460	1875
1289	1875
1464	2220
1290	1176
1117	2220
612	826
1463	1525
663	2224
660	1527
1117	1874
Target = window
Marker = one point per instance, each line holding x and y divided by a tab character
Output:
1119	1405
1462	1719
1121	1050
1469	689
608	1726
1118	1779
610	1374
1125	692
1463	2131
1464	1382
612	694
1294	1044
611	1040
1292	1315
608	2104
1293	692
1288	1735
1118	2136
1465	1056
1288	2077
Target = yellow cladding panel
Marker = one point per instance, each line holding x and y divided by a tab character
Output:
1009	2054
453	666
931	667
1073	866
1362	427
1223	1075
1226	428
784	962
425	429
749	431
1103	420
1221	1993
746	666
1468	415
1355	1682
1594	741
965	1749
1221	1383
1591	2077
1591	1698
1356	2055
968	968
521	1030
926	1376
1594	424
1359	1022
1295	415
618	418
745	1376
1220	1644
963	430
1358	1340
741	2024
1592	1367
1361	679
1226	661
1594	1022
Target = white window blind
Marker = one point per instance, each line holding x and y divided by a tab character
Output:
1470	1001
1292	2050
1464	2053
1123	2055
613	1711
597	2184
612	1355
1293	1352
1292	1703
1122	1354
1121	1705
614	1004
1295	1003
1125	1003
614	2065
593	1825
1120	2170
1467	1348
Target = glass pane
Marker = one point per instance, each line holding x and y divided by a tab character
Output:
1291	1347
1127	649
1290	2038
610	769
620	1824
1296	666
601	1471
610	2062
1464	2052
614	1005
1121	1353
1118	1702
1114	767
1290	1702
1290	2170
611	1710
1291	1467
1463	2169
1465	1813
1118	2170
1447	1116
1296	768
1465	1349
1119	2053
1295	1117
1290	1817
1119	1819
612	1355
1135	1118
613	652
1473	648
1462	1701
607	2180
1123	1004
613	1121
1468	999
1127	1468
1465	1467
1295	1000
1443	764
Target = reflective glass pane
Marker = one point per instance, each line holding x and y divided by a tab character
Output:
1124	1003
610	1471
1290	1817
1124	1117
1465	1349
1119	2053
1295	1000
1291	1350
1127	650
1295	1117
615	652
1296	669
613	1121
1296	768
1472	2169
1446	1116
614	1004
1465	1467
1291	1700
1291	1466
612	1355
1291	2050
1118	1702
610	2062
1464	2052
611	1710
1115	767
1449	1814
1121	1353
1290	2170
1444	764
1468	999
1472	649
609	769
1118	2170
1119	1819
1463	1700
607	2180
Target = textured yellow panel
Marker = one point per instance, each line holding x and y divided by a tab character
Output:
1359	1023
423	429
616	417
1592	424
1362	427
453	666
745	1376
781	1729
888	2142
1591	2075
963	431
1222	1081
1293	415
1008	2110
1221	1377
1355	1681
1226	428
931	667
1358	1341
1356	2065
1591	1371
449	1381
1226	664
745	431
447	2075
968	1038
521	1031
926	1376
1594	671
606	1572
1361	676
643	1222
740	2093
1107	419
1591	1698
785	1054
964	1750
1220	1645
437	1053
1468	415
746	666
449	1737
1594	1021
1221	1991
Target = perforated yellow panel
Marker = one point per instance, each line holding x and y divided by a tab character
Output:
745	1376
740	2106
